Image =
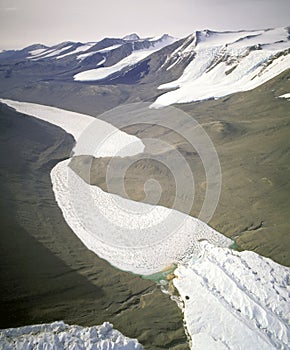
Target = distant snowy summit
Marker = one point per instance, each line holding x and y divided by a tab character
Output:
204	65
131	37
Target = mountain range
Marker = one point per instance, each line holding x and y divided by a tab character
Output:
165	70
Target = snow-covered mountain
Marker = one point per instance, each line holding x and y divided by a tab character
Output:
139	50
100	51
224	63
204	65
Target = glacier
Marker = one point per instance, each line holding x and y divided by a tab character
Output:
229	299
225	63
132	236
235	300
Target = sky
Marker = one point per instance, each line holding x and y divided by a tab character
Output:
24	22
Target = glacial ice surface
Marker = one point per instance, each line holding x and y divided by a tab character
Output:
235	300
60	336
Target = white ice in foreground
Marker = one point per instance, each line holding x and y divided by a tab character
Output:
226	63
235	301
60	336
76	123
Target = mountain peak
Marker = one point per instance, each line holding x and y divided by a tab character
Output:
131	37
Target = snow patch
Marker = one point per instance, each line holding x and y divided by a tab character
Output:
109	48
36	52
102	61
50	53
85	55
105	50
287	96
81	48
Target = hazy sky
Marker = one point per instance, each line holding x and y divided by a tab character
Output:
23	22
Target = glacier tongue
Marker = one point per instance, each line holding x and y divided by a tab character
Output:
235	300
